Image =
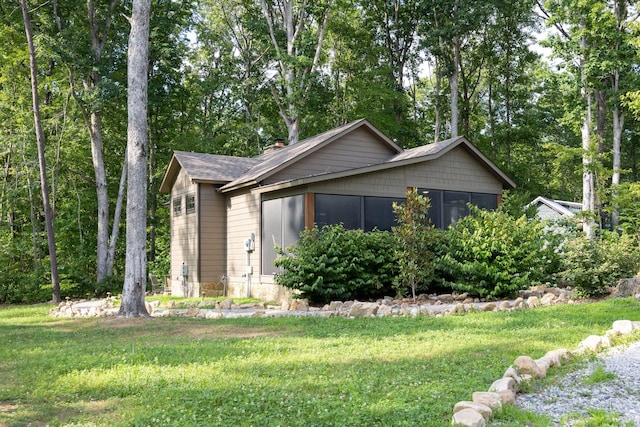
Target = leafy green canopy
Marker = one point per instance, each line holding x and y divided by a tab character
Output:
332	263
492	254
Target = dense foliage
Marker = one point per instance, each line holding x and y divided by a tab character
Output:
488	254
592	266
492	254
224	78
332	263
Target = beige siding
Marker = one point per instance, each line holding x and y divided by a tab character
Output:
243	218
213	232
184	234
357	149
456	170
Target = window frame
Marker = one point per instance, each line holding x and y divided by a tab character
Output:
190	209
176	206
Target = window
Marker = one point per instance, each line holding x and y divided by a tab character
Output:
378	213
333	209
454	207
177	206
447	207
282	222
191	203
355	212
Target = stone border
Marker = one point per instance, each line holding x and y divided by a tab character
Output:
483	404
426	305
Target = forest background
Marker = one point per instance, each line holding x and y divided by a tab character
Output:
229	77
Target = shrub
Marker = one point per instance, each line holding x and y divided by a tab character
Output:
416	239
491	254
337	264
593	265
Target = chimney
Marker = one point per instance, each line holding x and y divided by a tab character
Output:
278	143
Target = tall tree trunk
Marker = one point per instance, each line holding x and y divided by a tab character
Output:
437	105
297	82
618	126
117	212
133	304
55	280
453	83
588	190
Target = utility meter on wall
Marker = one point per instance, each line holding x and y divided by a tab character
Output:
249	244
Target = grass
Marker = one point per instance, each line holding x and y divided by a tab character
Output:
599	375
272	371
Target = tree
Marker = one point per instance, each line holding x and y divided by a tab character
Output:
297	54
83	48
55	280
133	292
416	237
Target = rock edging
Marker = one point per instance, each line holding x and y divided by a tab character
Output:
482	407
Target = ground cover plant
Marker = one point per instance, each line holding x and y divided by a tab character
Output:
270	371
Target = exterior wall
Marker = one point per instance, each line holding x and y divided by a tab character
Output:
546	213
212	212
357	149
184	238
243	218
456	170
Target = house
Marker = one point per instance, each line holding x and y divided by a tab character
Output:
548	209
227	213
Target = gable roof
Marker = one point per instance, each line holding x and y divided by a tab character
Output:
274	161
233	173
560	206
438	149
205	168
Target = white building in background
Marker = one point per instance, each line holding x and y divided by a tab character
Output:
549	209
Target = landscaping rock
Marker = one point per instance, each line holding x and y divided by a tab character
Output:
512	373
504	306
363	309
543	367
468	417
526	365
488	398
335	305
384	310
483	410
627	287
285	305
593	343
559	354
490	306
504	384
226	304
622	327
533	301
548	299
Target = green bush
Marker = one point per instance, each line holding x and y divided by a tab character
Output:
593	265
416	240
491	254
336	264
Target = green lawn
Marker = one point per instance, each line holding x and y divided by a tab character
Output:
270	371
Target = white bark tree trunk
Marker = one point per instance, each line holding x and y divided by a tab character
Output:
281	16
453	83
588	188
133	304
